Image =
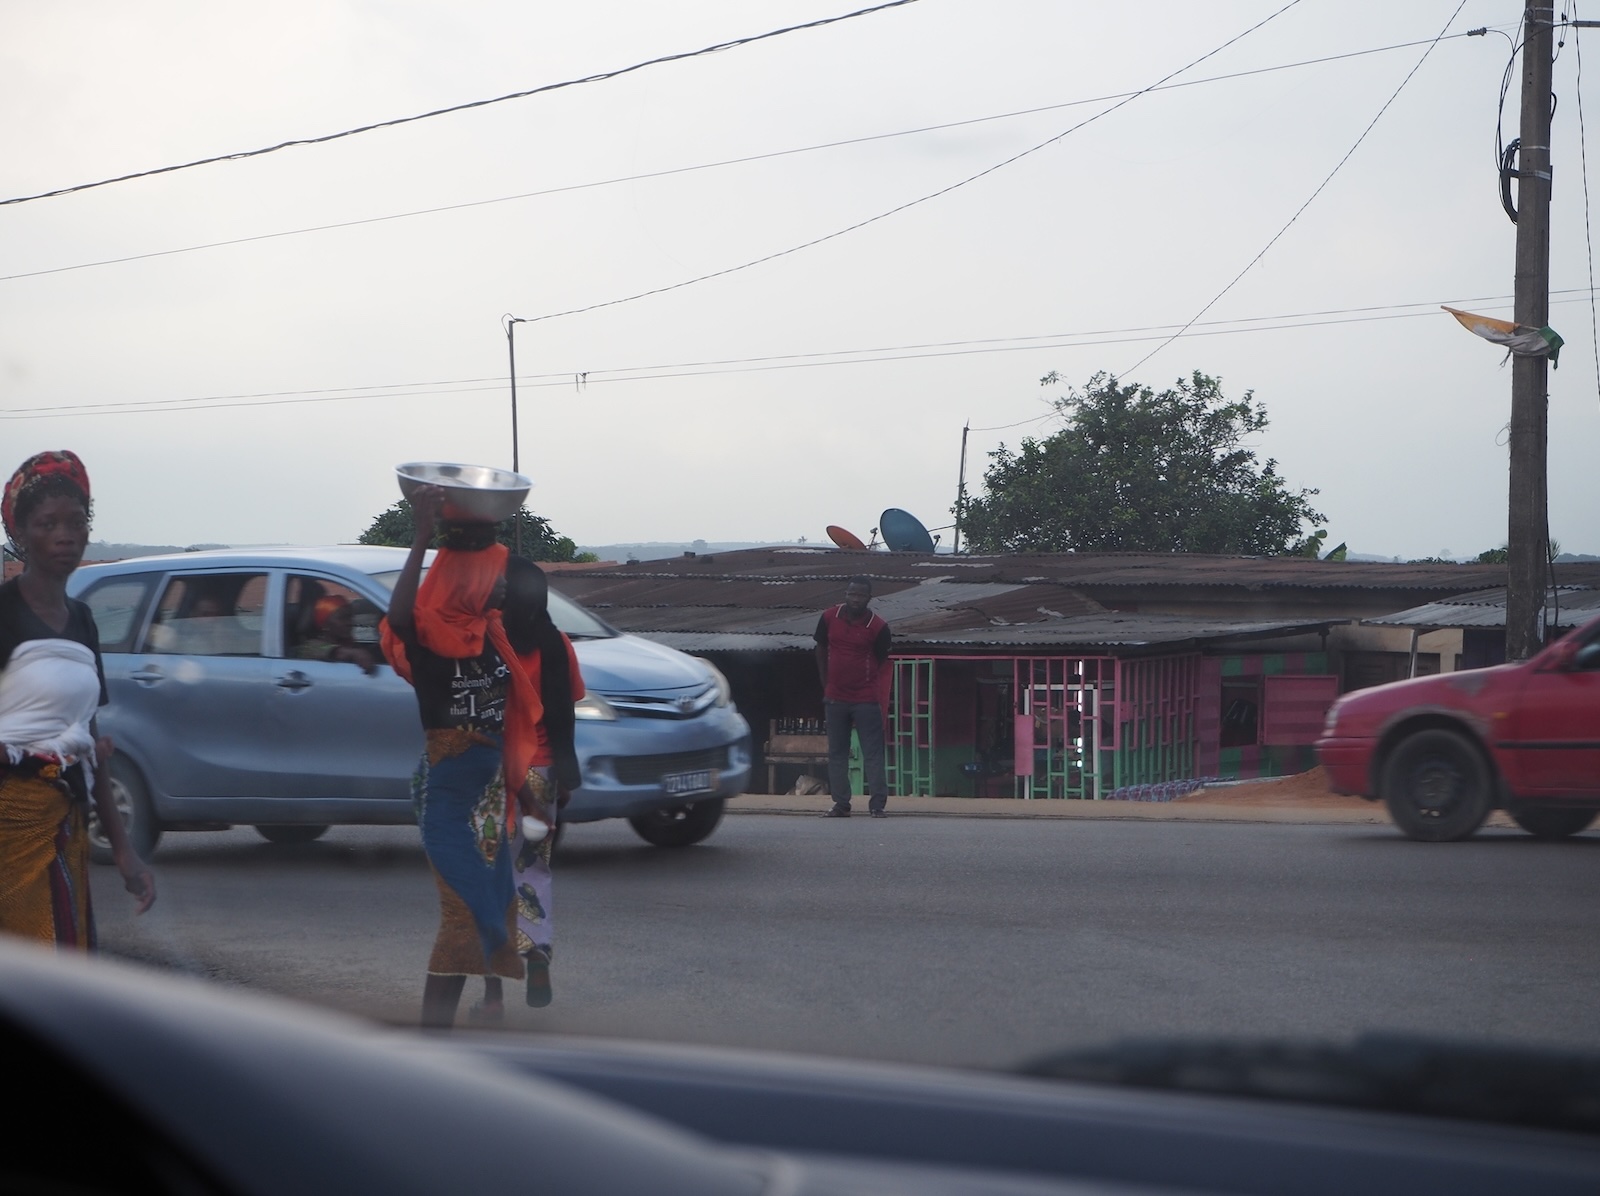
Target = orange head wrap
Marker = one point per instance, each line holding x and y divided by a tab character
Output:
452	618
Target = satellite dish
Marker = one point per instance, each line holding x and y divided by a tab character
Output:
844	539
903	532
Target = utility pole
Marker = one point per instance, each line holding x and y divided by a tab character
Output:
1527	531
516	456
961	490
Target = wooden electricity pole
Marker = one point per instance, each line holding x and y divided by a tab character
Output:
1527	532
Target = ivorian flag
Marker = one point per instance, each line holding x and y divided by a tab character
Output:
1518	338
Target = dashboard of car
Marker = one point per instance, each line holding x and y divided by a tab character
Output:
130	1080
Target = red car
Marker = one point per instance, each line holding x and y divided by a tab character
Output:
1444	751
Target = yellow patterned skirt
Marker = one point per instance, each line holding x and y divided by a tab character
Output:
44	861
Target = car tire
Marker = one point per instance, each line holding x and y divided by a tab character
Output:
287	834
1437	786
133	800
679	826
1553	822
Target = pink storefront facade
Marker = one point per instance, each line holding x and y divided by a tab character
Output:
1098	726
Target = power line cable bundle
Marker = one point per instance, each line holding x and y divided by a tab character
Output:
785	361
745	159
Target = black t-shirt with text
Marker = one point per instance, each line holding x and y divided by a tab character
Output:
469	693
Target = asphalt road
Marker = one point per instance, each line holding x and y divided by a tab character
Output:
940	940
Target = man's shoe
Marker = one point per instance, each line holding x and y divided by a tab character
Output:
838	812
879	813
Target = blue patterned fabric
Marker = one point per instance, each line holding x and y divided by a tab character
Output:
461	812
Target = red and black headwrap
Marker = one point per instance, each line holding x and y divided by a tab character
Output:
37	471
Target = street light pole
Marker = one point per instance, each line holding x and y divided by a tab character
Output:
511	323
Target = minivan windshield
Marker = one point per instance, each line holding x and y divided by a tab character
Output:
566	614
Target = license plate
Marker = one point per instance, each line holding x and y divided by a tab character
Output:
682	784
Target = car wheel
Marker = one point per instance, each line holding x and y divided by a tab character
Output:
279	833
679	826
133	803
1552	822
1437	787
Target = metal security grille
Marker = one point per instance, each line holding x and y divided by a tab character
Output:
1155	735
1065	725
910	756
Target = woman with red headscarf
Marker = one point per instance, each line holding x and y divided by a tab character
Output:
51	683
480	717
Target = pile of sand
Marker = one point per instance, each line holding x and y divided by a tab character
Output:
1306	790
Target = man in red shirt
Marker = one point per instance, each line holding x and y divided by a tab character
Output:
853	662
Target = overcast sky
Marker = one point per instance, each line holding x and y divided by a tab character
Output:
299	369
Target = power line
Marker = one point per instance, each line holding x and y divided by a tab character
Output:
860	224
1320	187
714	165
598	77
714	367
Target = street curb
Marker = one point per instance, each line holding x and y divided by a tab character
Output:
1362	814
1093	811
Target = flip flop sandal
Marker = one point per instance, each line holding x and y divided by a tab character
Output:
539	991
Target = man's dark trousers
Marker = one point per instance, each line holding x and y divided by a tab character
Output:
867	718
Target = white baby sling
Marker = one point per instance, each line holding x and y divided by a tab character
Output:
49	692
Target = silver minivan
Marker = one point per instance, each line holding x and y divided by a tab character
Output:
221	717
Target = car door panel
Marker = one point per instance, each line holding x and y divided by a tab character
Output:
1553	745
192	697
341	732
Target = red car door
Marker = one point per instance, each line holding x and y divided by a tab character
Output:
1551	733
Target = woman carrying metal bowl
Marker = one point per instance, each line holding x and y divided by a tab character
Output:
480	716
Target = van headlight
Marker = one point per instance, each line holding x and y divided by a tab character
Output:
596	708
724	690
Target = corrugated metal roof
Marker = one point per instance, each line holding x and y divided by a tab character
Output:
1111	630
729	641
935	605
651	619
1487	609
768	599
1104	632
1083	569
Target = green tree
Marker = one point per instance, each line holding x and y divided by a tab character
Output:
1135	470
396	526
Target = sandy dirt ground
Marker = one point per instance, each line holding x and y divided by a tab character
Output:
1302	789
1305	790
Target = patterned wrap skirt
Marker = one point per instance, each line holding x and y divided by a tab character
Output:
44	859
460	796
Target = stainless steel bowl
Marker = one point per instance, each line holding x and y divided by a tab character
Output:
473	493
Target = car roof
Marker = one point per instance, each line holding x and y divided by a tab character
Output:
362	558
